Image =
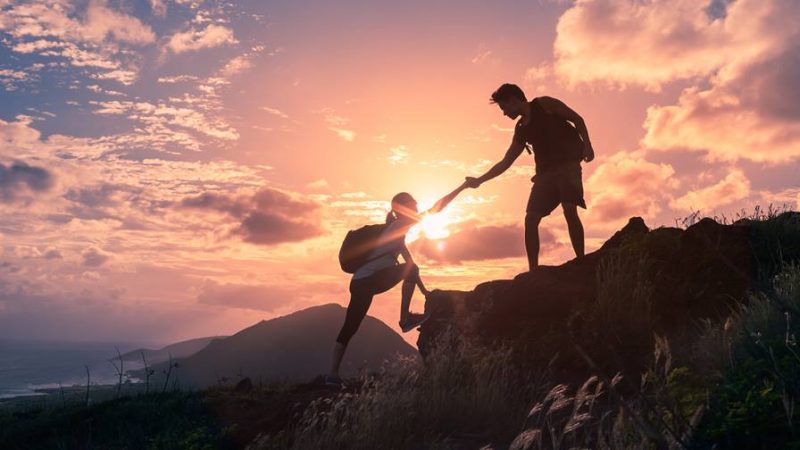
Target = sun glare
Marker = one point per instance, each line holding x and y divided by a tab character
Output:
432	226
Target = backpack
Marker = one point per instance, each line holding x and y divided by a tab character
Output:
357	246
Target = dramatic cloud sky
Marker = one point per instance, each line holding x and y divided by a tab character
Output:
180	168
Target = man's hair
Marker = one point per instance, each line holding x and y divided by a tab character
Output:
507	92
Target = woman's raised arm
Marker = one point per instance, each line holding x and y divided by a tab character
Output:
444	201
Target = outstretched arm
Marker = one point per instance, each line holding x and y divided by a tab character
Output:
557	107
513	152
444	201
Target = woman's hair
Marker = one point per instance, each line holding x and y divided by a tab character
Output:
401	199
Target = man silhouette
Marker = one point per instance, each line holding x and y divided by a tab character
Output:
560	141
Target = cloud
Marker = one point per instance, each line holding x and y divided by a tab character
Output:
10	79
475	242
734	187
642	43
194	39
177	79
336	122
318	184
52	253
97	38
161	115
267	217
399	155
101	22
94	257
274	112
482	55
19	179
742	59
236	66
534	77
95	196
626	185
750	113
159	8
347	135
18	133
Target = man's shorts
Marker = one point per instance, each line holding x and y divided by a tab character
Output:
560	185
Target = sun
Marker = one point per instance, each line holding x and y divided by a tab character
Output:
432	226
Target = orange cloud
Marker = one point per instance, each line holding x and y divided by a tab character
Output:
623	42
745	50
734	187
629	42
625	185
753	114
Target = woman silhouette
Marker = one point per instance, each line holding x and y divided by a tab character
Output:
382	272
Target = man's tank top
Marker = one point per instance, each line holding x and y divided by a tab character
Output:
555	141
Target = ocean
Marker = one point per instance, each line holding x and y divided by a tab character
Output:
29	365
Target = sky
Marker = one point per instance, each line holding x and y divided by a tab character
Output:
171	169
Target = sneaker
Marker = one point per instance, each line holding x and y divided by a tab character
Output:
333	381
413	321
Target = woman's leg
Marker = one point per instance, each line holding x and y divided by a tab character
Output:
361	293
356	310
388	278
407	291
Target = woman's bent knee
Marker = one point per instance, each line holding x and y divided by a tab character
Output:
412	273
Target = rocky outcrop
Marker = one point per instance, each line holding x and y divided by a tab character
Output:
603	310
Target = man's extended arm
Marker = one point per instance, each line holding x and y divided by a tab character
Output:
557	107
513	152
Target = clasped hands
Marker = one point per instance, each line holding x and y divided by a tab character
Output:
472	182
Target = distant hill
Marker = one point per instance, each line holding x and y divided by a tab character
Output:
296	347
177	350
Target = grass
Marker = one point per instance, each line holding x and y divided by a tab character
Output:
465	392
758	387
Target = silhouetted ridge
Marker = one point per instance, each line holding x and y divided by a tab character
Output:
180	349
293	348
641	282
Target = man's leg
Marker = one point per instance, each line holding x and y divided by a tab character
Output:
575	227
532	220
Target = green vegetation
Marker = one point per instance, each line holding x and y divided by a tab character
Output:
754	403
174	420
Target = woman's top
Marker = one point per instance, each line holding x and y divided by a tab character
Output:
385	254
